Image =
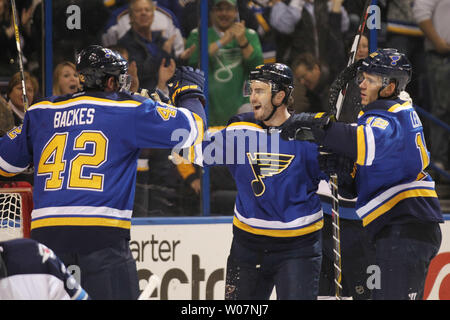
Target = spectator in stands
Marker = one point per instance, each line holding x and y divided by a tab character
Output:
65	79
432	17
8	55
16	105
6	117
311	26
404	34
234	50
257	16
164	22
15	95
310	73
151	51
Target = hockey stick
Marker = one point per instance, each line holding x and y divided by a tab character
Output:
336	110
153	283
19	53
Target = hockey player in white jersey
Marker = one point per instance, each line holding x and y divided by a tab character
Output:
85	148
31	271
397	201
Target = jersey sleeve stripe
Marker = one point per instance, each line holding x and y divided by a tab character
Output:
200	129
366	145
370	144
7	174
9	169
194	130
361	144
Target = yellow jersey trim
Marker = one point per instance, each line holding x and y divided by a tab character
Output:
392	202
80	221
279	233
361	144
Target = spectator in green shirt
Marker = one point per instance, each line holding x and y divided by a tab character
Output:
234	50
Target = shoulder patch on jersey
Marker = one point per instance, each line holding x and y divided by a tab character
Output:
12	134
377	122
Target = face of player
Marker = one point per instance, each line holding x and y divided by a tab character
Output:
68	80
309	78
142	14
223	15
261	99
363	48
16	94
370	85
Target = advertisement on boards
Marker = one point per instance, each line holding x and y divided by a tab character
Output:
188	259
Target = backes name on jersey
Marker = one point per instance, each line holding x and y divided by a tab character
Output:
80	116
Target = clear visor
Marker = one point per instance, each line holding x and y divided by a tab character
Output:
247	90
373	79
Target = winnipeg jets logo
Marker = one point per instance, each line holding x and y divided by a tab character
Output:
266	165
45	253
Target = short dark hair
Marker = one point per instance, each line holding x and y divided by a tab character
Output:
306	59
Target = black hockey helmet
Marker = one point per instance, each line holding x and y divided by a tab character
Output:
96	64
391	65
279	75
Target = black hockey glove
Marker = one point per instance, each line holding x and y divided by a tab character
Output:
339	84
306	127
333	163
186	82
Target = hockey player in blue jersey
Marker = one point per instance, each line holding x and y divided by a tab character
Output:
397	201
85	147
278	215
31	271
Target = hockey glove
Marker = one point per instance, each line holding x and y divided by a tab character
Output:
186	83
305	127
340	83
333	163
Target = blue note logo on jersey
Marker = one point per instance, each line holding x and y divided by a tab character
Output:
266	165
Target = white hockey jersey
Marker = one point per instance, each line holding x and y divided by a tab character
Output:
34	272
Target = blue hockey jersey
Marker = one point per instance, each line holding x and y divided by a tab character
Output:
276	180
85	149
391	180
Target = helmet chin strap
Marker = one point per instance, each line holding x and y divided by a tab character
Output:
274	109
